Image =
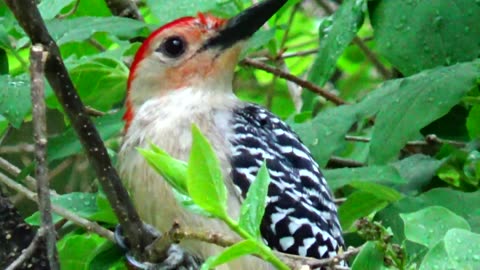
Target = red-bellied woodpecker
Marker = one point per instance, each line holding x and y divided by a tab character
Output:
182	74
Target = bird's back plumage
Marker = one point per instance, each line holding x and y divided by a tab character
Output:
300	217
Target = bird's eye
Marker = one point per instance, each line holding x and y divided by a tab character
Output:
173	46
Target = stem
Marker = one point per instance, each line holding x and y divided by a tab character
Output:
265	251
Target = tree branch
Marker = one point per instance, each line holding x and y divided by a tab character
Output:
124	8
288	76
29	18
37	62
430	140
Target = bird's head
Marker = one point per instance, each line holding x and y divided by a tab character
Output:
199	52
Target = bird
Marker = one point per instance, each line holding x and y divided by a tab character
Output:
183	74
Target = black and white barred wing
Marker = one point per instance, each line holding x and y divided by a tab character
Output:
300	216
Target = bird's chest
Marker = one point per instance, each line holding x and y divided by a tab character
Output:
167	124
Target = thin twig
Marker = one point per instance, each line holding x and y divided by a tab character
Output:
18	148
430	139
94	112
28	251
339	162
288	76
29	18
38	57
70	12
338	258
386	74
15	171
84	223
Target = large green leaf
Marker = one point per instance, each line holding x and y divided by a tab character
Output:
415	102
83	204
15	100
79	29
76	251
473	122
325	133
421	34
463	204
50	8
359	204
172	170
458	250
370	257
336	33
378	174
231	253
67	143
166	11
204	177
253	207
101	83
429	225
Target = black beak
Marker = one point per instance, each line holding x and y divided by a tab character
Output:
245	24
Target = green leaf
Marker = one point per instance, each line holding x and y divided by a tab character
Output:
378	174
473	122
377	190
253	206
326	132
101	82
418	170
418	35
415	102
437	258
81	28
83	204
75	251
458	250
359	204
429	225
336	33
105	212
172	170
463	204
231	253
370	257
15	102
187	202
166	11
204	177
105	256
51	8
67	143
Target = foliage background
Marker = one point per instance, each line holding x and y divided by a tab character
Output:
407	69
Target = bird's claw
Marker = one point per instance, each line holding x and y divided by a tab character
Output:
177	258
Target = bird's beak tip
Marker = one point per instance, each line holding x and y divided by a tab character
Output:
245	24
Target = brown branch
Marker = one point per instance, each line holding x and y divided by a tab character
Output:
288	76
430	140
336	259
29	18
386	74
15	171
18	148
79	221
339	162
124	8
28	251
38	57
